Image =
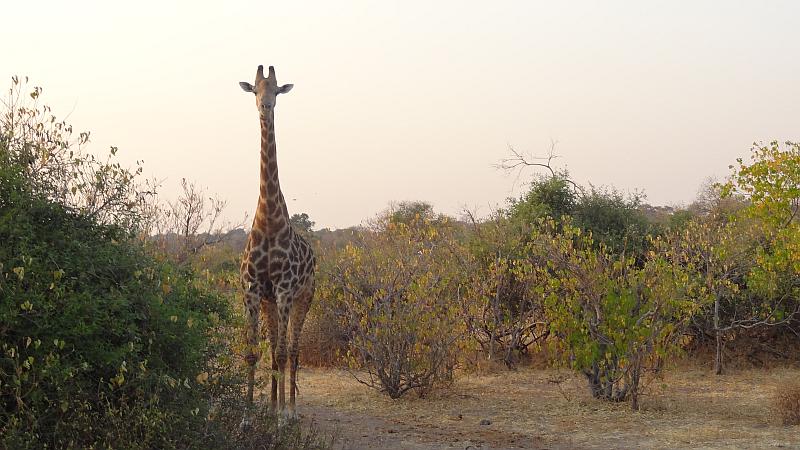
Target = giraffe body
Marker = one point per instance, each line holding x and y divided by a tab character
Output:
277	270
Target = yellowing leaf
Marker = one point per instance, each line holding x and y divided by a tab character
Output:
202	377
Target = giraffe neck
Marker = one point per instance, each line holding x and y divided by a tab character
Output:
271	214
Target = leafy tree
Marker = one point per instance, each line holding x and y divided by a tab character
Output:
614	220
741	284
301	222
549	196
616	319
771	183
680	219
717	256
409	213
501	300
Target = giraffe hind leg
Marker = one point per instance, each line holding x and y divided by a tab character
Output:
283	305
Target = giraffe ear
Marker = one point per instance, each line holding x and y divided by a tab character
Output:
247	87
285	88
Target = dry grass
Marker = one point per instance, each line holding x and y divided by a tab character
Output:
787	403
688	408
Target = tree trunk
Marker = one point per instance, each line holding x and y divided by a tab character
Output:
495	309
593	379
718	333
718	356
634	387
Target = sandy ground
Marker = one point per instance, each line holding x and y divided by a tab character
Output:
688	408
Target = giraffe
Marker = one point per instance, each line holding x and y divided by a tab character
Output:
277	270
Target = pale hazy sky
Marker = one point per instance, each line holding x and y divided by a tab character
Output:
416	100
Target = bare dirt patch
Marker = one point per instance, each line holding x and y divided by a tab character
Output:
688	408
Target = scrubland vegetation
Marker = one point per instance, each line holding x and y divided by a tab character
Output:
112	337
120	318
610	287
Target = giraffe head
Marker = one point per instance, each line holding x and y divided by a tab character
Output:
266	91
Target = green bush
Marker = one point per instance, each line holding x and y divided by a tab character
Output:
616	320
100	342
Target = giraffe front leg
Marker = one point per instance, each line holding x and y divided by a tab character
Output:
251	301
270	311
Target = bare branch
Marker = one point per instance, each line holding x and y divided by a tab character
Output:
518	162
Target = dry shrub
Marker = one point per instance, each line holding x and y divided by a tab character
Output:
474	360
323	340
392	293
787	403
